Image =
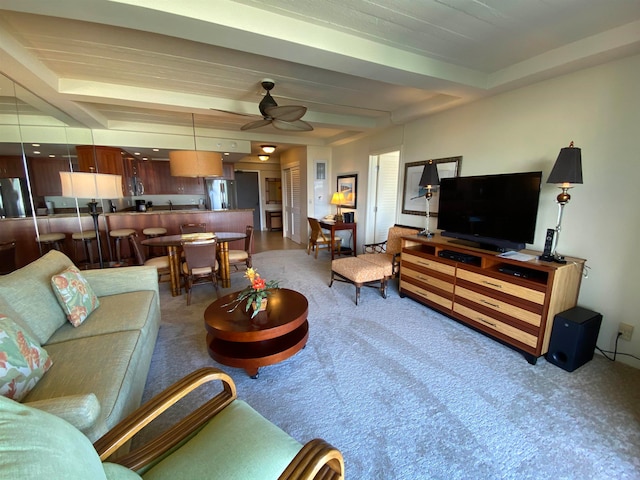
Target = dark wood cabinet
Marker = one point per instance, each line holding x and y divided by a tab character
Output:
157	180
112	160
44	175
11	166
228	172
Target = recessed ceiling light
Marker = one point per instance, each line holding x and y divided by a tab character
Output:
156	149
36	152
52	155
136	153
35	144
226	153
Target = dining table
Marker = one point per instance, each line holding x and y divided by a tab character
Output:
174	243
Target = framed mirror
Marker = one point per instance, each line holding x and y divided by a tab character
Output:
273	190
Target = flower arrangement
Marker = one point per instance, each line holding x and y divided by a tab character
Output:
255	293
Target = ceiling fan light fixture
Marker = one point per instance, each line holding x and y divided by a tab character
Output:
263	158
268	148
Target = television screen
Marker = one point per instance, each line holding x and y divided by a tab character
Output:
498	210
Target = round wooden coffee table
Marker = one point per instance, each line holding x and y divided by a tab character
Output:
237	340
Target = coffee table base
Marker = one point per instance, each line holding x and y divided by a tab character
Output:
253	355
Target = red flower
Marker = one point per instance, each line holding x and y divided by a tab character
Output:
259	284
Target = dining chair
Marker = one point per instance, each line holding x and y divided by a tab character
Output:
193	228
161	263
319	239
200	266
243	257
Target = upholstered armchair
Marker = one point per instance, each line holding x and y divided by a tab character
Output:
223	438
387	254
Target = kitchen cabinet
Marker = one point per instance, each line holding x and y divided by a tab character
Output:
11	166
157	180
112	160
44	175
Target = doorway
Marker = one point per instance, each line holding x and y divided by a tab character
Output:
291	199
384	170
248	191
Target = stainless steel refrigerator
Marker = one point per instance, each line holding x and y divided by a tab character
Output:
221	194
14	198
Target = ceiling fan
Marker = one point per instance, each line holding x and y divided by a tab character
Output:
283	118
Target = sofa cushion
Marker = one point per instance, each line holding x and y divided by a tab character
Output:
22	361
79	369
35	444
28	291
238	432
113	471
81	411
117	313
75	295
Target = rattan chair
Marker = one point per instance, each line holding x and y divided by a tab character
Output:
193	228
319	239
243	257
161	263
200	266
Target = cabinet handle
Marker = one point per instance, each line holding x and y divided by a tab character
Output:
497	285
494	305
424	279
426	264
486	321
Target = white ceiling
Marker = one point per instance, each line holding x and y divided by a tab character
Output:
146	66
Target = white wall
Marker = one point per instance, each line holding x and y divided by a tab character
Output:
523	130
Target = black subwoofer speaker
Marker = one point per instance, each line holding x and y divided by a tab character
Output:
573	338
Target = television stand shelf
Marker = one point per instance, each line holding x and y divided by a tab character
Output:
512	301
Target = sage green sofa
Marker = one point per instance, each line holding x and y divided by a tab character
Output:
100	367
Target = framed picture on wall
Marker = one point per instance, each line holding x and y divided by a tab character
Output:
413	200
348	185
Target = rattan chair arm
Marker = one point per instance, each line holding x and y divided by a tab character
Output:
317	460
119	435
380	247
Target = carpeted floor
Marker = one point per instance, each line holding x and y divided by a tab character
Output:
407	393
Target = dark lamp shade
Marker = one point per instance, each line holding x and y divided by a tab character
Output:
568	167
429	176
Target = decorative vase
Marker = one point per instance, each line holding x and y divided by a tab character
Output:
261	307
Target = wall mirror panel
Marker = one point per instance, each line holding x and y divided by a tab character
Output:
273	191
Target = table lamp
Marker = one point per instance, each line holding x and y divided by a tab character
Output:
566	172
93	186
429	180
338	200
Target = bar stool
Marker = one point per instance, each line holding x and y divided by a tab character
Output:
120	233
86	237
151	232
52	240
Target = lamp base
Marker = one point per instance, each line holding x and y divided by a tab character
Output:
552	258
339	218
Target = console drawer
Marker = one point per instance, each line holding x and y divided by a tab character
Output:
428	263
427	295
500	306
427	279
499	285
497	325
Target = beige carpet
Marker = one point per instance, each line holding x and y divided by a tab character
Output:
407	393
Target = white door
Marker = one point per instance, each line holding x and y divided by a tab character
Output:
383	203
291	205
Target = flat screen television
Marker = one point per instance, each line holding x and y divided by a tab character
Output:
497	212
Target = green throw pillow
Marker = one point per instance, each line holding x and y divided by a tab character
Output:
22	360
75	295
37	445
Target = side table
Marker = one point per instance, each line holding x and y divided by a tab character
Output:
237	340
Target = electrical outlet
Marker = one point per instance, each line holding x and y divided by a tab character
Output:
626	330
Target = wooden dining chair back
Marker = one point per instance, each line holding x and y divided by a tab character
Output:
193	228
200	266
161	263
243	257
7	257
319	239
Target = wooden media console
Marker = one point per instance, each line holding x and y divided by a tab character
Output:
512	301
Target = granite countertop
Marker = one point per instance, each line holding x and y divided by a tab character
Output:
131	212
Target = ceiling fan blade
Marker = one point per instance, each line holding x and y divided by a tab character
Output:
256	124
287	113
233	113
296	126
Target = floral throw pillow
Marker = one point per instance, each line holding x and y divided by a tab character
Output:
75	295
23	361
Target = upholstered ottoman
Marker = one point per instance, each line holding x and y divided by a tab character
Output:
359	272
